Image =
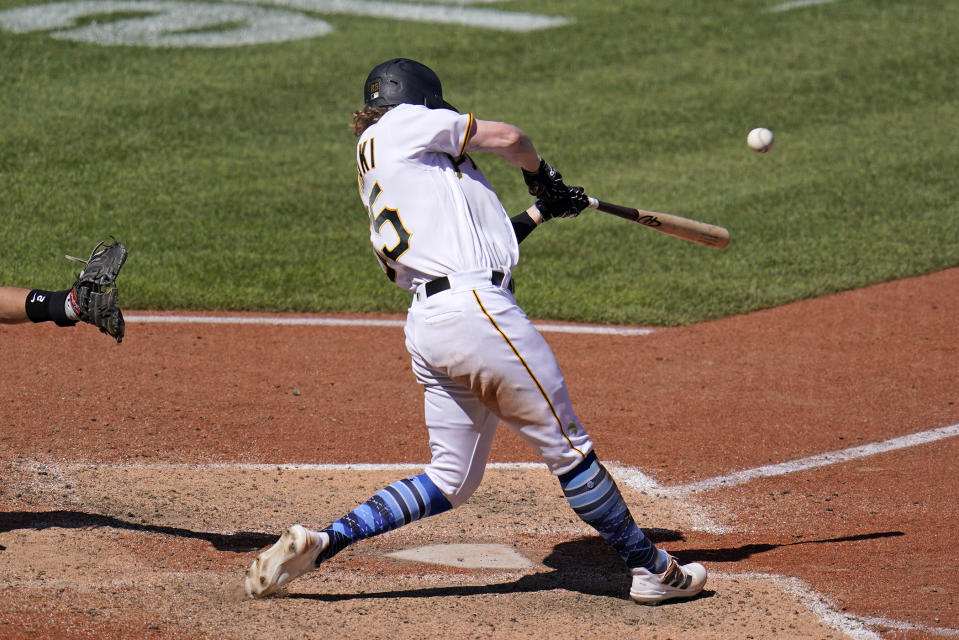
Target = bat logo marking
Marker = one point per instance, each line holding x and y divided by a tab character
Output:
649	221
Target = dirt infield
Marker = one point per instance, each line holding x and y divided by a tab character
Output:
140	479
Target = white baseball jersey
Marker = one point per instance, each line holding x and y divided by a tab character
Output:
432	212
479	358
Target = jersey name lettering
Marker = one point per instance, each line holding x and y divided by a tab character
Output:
365	159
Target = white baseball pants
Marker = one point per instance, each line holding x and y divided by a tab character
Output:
480	361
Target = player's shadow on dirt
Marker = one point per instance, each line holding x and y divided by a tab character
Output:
589	565
586	565
239	542
735	554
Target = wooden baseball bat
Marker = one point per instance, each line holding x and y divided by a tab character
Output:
676	226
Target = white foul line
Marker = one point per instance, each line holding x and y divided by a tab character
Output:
821	460
905	626
361	322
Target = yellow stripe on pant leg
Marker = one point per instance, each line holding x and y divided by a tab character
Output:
542	391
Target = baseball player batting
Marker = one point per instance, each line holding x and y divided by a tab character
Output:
440	232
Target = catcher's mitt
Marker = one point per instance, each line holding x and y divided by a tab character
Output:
94	295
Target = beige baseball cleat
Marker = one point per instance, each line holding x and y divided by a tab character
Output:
290	557
677	581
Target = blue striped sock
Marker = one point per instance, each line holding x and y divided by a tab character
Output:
400	503
596	499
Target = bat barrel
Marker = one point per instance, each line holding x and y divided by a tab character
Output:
677	226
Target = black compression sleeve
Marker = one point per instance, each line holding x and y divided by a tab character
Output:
523	225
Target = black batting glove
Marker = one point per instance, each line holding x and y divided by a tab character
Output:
543	180
567	205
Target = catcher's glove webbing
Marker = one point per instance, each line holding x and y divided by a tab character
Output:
94	295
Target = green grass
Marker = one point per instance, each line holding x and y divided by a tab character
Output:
230	175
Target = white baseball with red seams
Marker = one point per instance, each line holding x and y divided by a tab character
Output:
760	139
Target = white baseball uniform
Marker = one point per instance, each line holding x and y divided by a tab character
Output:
440	232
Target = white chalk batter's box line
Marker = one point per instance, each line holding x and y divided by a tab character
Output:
311	321
851	625
629	476
854	626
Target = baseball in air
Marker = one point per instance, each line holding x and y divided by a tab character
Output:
760	139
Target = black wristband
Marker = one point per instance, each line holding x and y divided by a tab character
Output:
523	225
48	306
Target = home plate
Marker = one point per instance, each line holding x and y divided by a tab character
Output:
471	556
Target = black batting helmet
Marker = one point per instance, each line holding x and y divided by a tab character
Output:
403	81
